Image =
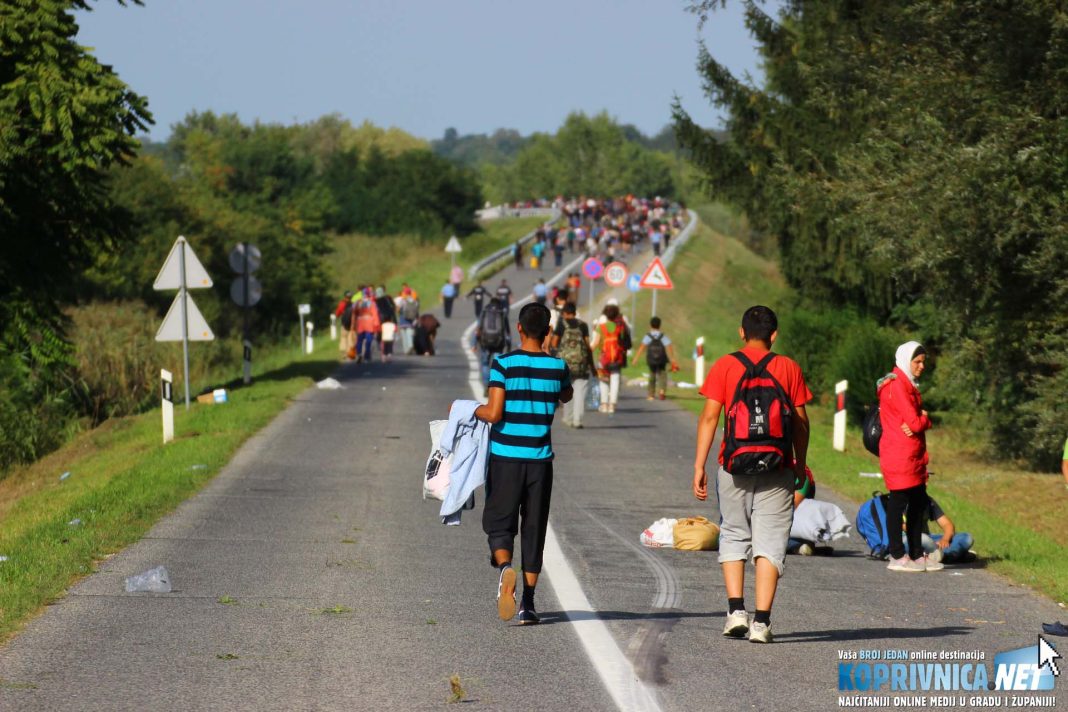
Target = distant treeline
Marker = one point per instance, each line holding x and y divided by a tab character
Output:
588	155
911	157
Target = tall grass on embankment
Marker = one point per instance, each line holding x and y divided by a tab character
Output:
1017	517
122	479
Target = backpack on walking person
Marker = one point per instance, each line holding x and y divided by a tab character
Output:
410	309
656	356
574	350
759	423
346	317
871	524
612	351
625	340
492	335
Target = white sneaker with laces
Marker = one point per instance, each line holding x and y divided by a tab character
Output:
760	632
737	624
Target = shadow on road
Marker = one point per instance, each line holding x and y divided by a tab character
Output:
826	636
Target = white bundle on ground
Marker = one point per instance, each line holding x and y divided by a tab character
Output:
660	533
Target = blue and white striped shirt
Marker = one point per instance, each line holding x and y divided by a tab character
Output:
532	383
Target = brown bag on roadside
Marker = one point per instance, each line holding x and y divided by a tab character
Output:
696	534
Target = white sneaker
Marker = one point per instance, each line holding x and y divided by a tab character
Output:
931	565
935	556
760	633
737	624
806	550
907	565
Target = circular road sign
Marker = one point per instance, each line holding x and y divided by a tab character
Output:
237	291
593	268
237	258
634	283
615	274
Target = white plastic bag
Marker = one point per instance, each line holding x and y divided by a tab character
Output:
593	394
158	580
436	472
660	533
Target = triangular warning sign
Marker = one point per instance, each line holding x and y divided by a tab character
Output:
171	328
656	276
170	275
453	245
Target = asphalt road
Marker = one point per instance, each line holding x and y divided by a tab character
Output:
349	594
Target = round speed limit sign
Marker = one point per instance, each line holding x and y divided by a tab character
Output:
615	274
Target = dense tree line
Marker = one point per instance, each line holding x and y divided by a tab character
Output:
87	218
911	156
588	155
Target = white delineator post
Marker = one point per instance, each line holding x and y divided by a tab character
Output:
166	381
840	415
309	344
333	327
699	363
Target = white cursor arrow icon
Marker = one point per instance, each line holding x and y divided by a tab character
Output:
1046	655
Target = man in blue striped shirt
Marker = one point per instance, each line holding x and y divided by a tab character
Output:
524	388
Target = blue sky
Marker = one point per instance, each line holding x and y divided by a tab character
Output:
420	65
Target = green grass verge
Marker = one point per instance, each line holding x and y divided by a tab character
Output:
1017	517
362	259
123	479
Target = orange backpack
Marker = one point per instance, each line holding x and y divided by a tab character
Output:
611	350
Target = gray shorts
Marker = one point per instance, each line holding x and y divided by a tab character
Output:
757	511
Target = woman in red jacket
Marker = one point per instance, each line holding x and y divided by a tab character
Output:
903	457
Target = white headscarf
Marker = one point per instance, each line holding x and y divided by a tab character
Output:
903	358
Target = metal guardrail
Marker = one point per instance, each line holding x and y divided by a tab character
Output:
682	239
552	215
503	211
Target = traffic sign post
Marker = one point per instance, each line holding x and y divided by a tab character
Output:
593	269
246	291
183	271
634	285
453	247
615	274
656	278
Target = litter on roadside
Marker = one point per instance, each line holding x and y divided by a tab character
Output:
2	558
75	522
329	384
659	533
198	467
638	382
684	384
873	475
217	396
64	476
156	580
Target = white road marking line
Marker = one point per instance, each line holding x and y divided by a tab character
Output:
612	666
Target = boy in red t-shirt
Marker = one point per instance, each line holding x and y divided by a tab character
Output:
756	509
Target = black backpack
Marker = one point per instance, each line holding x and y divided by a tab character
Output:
346	317
491	329
758	430
624	335
656	352
873	430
